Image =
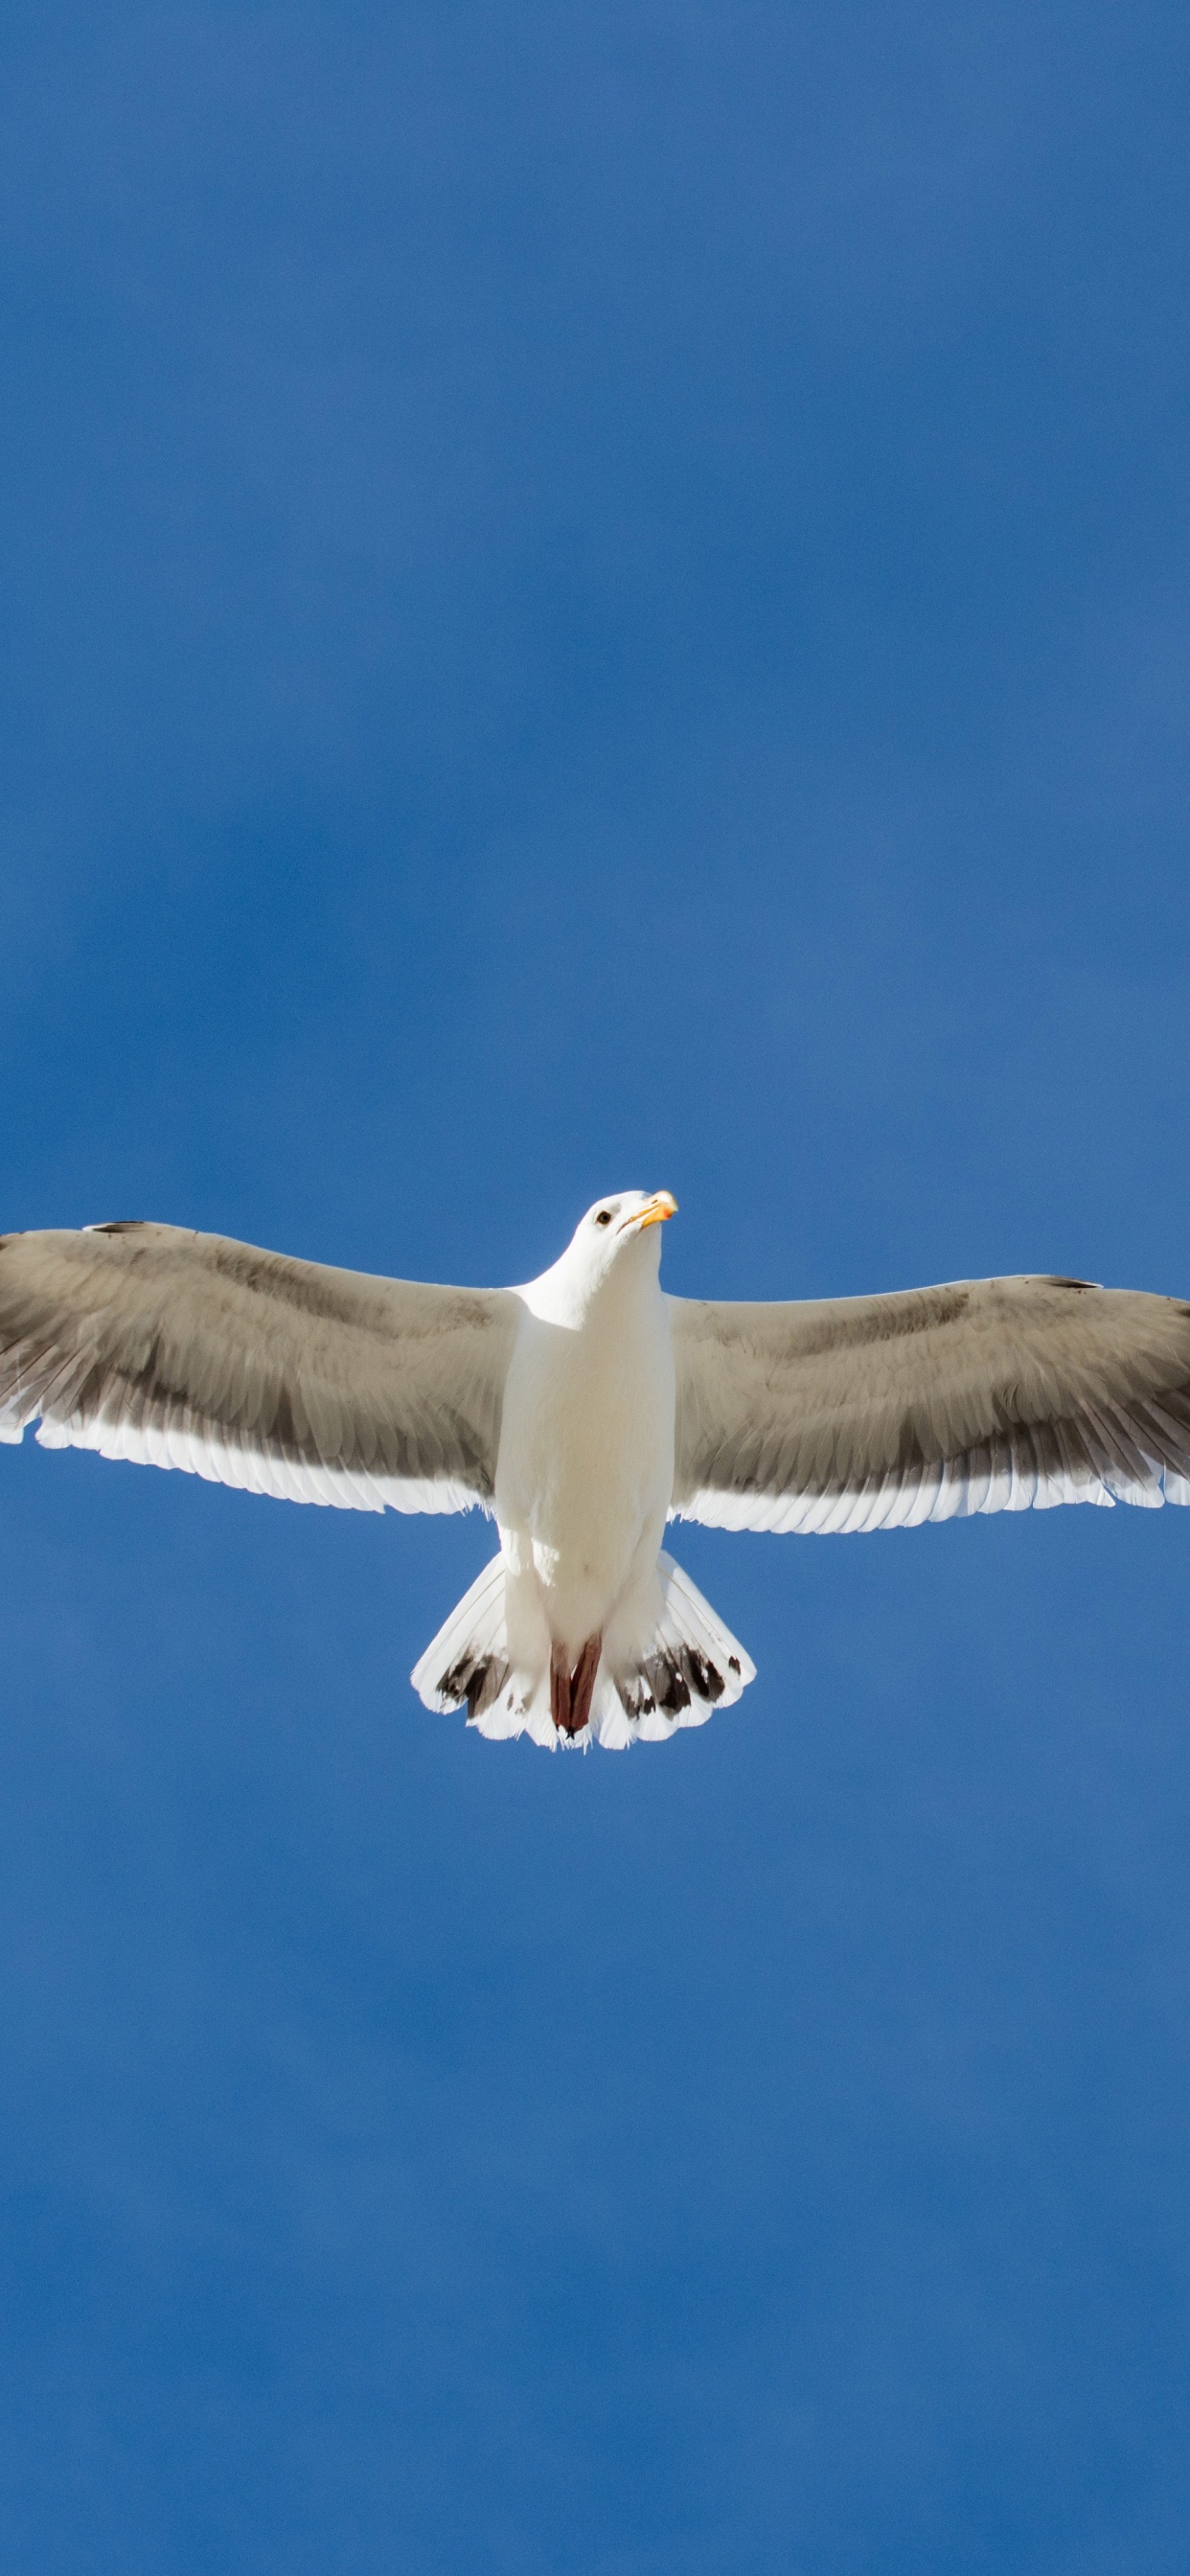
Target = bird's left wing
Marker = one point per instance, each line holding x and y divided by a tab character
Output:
188	1350
988	1395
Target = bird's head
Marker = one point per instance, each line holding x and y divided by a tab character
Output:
616	1244
619	1229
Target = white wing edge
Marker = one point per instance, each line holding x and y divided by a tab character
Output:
194	1449
949	1490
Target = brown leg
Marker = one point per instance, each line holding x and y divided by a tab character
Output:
570	1693
560	1690
583	1684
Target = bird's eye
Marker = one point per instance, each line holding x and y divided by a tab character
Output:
604	1217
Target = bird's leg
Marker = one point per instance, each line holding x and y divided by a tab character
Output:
582	1684
560	1689
570	1693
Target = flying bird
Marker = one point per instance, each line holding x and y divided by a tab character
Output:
582	1412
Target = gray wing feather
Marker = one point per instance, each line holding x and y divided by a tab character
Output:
988	1395
285	1377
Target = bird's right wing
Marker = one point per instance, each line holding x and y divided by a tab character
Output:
188	1350
864	1413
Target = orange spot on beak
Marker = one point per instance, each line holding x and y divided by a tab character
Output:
654	1212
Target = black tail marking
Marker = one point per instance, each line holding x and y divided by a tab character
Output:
477	1679
669	1681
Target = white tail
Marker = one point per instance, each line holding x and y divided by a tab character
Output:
673	1673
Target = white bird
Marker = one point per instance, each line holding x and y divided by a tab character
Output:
583	1411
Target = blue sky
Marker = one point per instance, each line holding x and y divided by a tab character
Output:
595	597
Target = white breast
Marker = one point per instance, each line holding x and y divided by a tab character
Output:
585	1468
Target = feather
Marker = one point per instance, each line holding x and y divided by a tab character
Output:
185	1350
985	1395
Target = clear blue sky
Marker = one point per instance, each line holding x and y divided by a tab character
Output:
595	596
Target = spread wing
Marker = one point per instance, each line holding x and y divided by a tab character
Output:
991	1395
187	1350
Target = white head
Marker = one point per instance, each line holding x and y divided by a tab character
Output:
615	1239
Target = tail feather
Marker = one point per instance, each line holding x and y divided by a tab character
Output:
468	1660
471	1663
677	1666
689	1666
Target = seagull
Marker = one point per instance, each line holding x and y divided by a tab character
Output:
582	1412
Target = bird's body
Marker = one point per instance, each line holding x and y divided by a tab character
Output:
588	1636
584	1472
583	1410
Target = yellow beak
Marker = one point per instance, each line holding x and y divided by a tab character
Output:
654	1212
